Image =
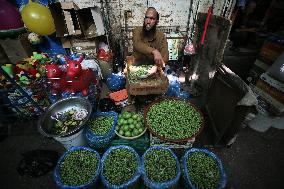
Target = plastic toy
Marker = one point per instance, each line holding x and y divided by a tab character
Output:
79	79
57	78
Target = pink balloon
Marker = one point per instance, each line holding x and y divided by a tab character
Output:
10	17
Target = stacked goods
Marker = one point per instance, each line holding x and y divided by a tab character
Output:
160	168
138	72
101	129
130	125
120	167
78	167
202	170
173	120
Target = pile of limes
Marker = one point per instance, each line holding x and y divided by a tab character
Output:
130	124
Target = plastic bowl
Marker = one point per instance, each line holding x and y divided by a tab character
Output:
131	138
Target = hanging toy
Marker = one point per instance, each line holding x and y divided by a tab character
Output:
34	38
38	18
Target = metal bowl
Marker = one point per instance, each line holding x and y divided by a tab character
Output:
46	123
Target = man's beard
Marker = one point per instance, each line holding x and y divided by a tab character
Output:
149	32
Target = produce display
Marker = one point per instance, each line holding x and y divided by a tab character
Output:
203	171
119	166
101	125
136	72
173	119
160	165
130	124
68	120
78	167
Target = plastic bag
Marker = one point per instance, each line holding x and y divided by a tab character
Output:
131	182
101	141
160	185
56	174
184	169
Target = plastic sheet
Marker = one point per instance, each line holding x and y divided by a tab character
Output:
160	185
101	141
57	170
131	182
184	169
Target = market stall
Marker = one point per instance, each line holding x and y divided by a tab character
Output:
124	125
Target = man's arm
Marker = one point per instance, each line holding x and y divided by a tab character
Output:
164	49
139	45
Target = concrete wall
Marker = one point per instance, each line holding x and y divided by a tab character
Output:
123	15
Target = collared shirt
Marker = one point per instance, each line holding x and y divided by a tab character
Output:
144	45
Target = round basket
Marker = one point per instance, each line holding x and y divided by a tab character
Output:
167	139
131	138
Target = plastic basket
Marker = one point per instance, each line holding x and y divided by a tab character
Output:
140	144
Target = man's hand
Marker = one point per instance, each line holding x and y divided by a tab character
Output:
158	58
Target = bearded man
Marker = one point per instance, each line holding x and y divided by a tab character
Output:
149	44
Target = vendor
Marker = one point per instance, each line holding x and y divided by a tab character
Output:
149	44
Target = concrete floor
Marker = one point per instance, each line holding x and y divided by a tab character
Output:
255	160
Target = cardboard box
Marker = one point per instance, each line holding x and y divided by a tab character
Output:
91	22
65	18
80	45
17	49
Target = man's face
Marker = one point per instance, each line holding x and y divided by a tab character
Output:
150	20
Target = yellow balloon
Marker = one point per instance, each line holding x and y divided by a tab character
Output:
38	18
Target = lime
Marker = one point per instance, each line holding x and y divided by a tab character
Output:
135	116
138	125
127	134
127	115
120	121
131	126
134	122
125	127
140	130
135	132
121	132
140	118
130	121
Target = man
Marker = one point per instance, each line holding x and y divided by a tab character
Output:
149	44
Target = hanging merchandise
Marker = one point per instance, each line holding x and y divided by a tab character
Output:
34	38
38	18
189	47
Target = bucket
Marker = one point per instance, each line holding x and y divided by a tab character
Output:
76	139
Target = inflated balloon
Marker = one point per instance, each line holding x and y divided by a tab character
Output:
11	24
38	18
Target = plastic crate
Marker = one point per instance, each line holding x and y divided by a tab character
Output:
140	144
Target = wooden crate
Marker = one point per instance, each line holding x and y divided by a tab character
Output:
154	85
